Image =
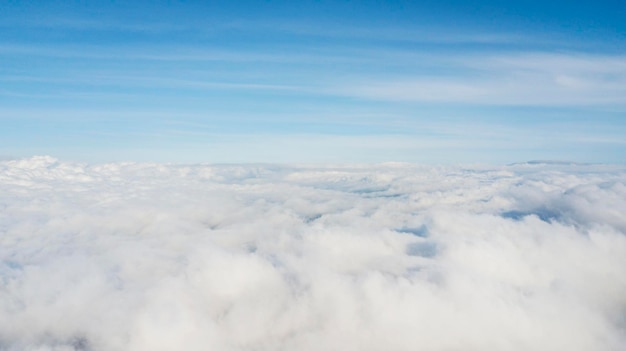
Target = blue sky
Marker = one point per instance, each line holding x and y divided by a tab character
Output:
263	81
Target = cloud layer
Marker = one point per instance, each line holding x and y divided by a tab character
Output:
132	256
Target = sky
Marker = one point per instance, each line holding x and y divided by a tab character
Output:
314	81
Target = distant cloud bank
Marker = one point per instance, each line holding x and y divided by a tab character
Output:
139	256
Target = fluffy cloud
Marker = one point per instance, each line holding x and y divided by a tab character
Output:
132	256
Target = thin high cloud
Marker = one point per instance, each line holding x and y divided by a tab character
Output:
414	34
488	78
538	79
395	256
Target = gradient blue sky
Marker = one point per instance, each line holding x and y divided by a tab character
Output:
314	81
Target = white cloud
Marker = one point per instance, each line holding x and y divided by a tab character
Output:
130	256
538	79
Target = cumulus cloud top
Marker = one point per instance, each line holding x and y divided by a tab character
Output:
135	256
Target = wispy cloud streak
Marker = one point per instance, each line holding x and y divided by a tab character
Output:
526	79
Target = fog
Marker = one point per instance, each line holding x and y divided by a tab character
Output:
393	256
